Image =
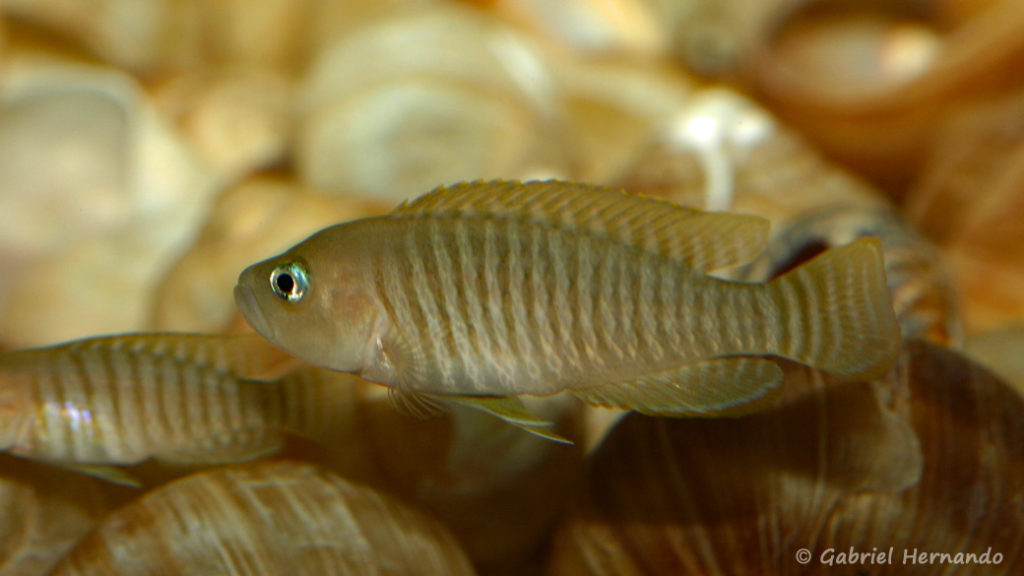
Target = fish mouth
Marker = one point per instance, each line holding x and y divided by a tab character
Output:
246	301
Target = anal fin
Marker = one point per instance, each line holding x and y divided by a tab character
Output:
511	410
730	386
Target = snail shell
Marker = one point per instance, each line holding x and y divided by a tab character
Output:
742	496
162	35
236	121
612	107
979	150
453	94
868	84
721	151
46	512
267	518
593	26
97	194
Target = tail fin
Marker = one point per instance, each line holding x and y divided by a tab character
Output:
839	313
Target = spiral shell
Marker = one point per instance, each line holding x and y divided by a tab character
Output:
969	199
452	94
869	83
819	473
724	152
267	518
162	35
594	26
46	512
97	193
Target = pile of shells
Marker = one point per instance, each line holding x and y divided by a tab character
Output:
150	150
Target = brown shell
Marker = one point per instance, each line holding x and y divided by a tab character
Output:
744	496
267	518
969	198
868	83
46	511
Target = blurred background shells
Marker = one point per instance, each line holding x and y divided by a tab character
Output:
151	149
97	192
869	81
453	94
267	518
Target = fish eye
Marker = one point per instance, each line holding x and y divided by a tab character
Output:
289	281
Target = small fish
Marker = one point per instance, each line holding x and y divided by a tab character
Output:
500	289
179	398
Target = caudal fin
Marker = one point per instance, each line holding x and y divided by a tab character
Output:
838	313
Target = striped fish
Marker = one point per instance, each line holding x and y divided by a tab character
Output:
179	398
488	290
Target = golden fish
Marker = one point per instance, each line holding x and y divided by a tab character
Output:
496	289
180	398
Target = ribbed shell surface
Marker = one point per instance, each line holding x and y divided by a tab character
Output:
267	518
505	306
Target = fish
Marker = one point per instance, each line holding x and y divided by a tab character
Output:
182	399
486	291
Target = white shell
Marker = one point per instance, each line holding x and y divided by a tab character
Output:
235	121
594	26
97	193
177	34
452	94
612	109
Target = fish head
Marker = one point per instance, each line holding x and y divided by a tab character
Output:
313	303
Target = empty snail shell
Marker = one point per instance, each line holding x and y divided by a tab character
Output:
453	94
818	473
46	512
97	194
979	150
868	83
611	108
169	35
724	152
267	518
620	27
237	121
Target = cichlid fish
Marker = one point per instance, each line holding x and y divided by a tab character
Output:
482	291
179	398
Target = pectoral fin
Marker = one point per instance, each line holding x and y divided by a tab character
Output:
719	387
511	410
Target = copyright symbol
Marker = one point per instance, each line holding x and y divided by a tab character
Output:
803	555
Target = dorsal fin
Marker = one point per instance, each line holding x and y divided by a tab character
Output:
703	240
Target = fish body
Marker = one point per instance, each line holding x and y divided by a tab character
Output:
503	289
180	398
